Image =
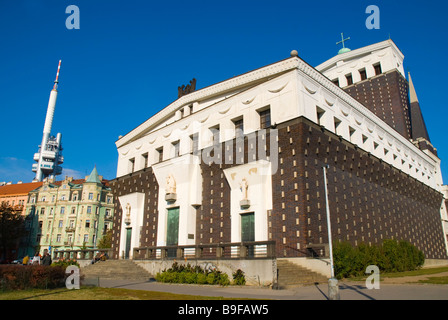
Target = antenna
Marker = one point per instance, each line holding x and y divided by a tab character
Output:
57	77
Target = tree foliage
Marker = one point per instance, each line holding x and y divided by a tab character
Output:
12	228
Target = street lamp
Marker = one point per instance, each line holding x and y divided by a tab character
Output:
333	289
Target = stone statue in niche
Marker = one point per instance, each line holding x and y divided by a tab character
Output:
127	219
170	184
244	186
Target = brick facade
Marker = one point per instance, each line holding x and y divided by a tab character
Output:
386	95
369	200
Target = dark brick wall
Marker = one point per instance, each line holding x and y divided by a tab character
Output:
369	200
386	95
143	181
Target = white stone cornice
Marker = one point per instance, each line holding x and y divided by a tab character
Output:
207	92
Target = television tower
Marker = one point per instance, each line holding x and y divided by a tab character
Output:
49	157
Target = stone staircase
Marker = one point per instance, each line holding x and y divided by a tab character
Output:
292	275
115	269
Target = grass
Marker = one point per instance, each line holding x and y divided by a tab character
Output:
414	273
97	293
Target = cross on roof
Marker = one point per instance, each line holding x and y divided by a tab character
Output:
343	40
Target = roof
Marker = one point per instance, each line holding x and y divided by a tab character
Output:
94	177
19	189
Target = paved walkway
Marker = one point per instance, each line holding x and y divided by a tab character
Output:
348	290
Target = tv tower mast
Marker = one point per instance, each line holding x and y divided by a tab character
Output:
49	157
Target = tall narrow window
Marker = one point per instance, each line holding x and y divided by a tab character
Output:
176	148
336	81
194	143
349	79
363	74
337	122
131	165
145	159
239	128
160	154
377	68
320	115
215	134
265	118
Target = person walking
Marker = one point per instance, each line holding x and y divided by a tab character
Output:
36	259
46	260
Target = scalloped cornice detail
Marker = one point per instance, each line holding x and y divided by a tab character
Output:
278	89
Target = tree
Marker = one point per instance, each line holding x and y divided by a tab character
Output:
106	241
12	229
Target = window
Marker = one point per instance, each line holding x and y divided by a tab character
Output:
60	224
90	196
109	199
320	115
145	160
265	118
58	238
89	209
42	211
239	128
107	213
337	122
160	154
176	146
73	210
86	238
194	143
363	74
87	223
349	79
63	197
75	196
377	68
62	210
215	134
336	81
131	165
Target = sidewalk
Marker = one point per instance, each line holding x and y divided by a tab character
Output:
348	291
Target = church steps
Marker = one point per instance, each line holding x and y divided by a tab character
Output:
116	269
290	275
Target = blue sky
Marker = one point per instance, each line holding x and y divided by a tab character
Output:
127	59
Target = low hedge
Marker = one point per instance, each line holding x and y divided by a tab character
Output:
18	277
179	273
390	256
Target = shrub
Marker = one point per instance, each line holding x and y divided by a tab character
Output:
25	277
179	273
391	256
239	278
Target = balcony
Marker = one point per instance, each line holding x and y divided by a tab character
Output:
70	229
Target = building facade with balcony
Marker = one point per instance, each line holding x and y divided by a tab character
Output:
69	214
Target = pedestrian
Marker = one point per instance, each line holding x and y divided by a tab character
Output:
46	260
36	259
25	260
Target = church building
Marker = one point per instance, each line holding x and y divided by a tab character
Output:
242	161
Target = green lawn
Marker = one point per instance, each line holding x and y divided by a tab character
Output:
420	272
97	293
